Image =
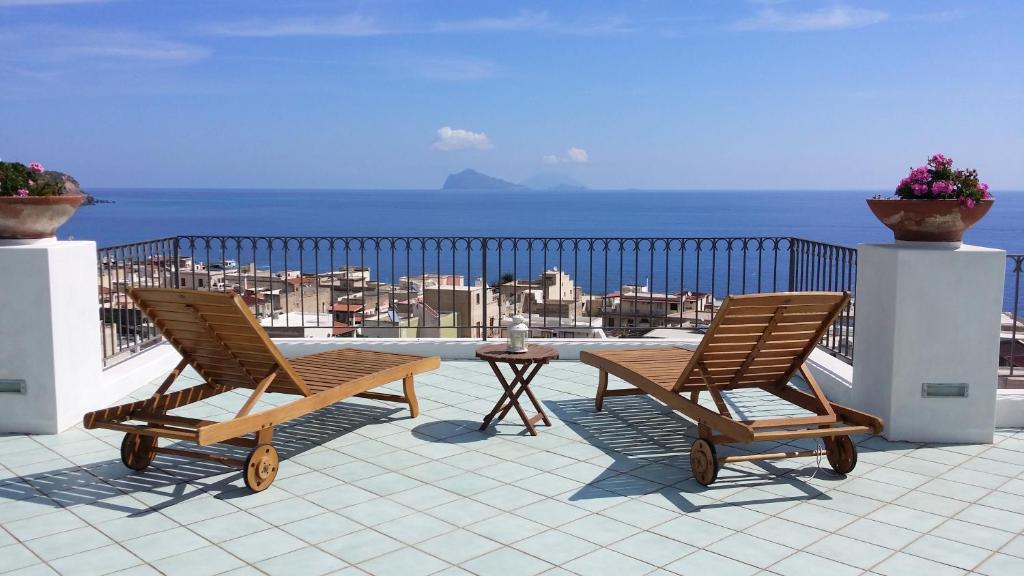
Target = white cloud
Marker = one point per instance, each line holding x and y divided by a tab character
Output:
572	156
449	138
95	46
354	25
578	155
833	18
4	3
357	25
452	68
524	21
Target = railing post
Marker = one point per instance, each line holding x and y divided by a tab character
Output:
175	262
484	288
792	264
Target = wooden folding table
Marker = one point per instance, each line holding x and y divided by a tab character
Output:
525	366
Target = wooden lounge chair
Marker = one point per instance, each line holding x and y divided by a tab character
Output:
755	341
218	336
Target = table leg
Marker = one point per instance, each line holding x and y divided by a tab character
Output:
508	394
524	386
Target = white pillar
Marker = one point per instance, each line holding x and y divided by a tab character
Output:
927	330
50	352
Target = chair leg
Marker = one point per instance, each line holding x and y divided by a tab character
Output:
602	387
410	395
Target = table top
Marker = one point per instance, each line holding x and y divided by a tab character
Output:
534	353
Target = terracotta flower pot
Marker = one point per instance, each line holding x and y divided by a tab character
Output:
928	220
35	216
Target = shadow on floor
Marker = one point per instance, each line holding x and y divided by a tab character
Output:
178	479
645	438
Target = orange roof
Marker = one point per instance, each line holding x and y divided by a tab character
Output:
253	300
347	307
340	329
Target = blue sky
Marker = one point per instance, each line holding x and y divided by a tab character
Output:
389	94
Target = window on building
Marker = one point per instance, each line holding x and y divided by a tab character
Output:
200	282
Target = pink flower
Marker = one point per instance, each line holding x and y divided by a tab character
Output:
940	160
984	191
918	188
942	187
22	193
967	202
36	167
920	174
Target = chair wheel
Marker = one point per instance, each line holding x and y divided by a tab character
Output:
261	467
138	451
842	453
704	461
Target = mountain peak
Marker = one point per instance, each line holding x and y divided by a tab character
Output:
470	179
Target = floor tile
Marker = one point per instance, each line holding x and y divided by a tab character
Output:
423	497
162	544
506	562
704	562
906	518
262	545
285	511
901	564
361	546
458	546
506	528
101	560
322	527
403	562
302	562
947	552
973	534
639	514
555	546
785	532
16	556
600	530
375	512
44	525
507	497
856	553
604	561
804	564
1002	565
692	531
551	513
463	512
751	550
992	517
68	543
414	528
817	517
652	548
201	562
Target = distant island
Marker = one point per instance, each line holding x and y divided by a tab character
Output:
91	200
472	180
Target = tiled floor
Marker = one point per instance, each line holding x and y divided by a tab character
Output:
366	489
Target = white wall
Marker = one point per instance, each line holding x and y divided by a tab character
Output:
928	314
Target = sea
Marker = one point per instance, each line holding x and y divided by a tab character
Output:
835	217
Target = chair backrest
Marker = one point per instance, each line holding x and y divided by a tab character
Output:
219	336
759	340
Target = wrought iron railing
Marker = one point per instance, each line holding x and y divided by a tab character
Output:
1011	352
819	266
467	286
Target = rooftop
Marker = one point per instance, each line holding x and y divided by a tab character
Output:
362	485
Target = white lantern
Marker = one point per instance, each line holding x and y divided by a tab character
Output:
517	334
